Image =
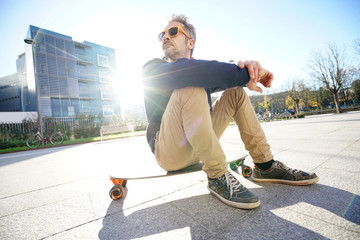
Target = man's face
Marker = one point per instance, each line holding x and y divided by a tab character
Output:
176	47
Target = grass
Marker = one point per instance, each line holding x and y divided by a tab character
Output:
77	141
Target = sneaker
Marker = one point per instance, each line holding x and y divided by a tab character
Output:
230	191
280	173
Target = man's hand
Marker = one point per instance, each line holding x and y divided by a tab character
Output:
266	78
257	74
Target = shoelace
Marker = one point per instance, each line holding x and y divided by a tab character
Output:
232	183
291	170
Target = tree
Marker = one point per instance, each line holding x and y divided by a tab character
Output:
357	45
290	104
353	88
265	104
355	91
296	94
330	70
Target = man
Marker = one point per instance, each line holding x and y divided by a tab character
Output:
184	128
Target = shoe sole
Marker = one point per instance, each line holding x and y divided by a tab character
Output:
297	183
235	204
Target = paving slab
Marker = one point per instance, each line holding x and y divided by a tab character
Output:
62	193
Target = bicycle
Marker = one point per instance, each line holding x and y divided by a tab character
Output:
54	138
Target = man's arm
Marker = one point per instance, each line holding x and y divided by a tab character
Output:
195	73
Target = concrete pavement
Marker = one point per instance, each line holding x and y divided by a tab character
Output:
62	193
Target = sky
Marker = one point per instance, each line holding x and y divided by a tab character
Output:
281	35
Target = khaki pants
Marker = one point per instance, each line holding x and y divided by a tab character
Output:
189	133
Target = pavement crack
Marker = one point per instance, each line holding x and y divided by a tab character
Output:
335	155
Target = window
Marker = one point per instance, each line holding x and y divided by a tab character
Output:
104	77
83	72
107	110
41	47
51	65
84	90
44	89
65	107
75	104
61	66
106	93
71	111
71	68
56	107
42	68
103	61
70	49
60	46
64	87
84	107
50	44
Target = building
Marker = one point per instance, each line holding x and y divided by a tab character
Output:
10	94
66	78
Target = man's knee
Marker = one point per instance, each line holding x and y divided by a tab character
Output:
234	96
237	92
187	94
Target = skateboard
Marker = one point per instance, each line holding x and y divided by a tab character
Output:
117	191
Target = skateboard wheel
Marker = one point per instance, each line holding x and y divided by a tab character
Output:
116	192
246	171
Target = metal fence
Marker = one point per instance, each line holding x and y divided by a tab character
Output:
27	127
19	128
67	123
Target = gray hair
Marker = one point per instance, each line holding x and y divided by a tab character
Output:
188	27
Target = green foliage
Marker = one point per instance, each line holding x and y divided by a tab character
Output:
265	104
12	144
355	91
86	126
140	125
301	115
290	103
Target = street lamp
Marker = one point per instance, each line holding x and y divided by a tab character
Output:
37	90
29	41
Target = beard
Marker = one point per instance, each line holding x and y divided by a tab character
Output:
171	53
174	52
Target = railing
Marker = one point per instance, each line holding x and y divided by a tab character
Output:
84	59
53	123
18	128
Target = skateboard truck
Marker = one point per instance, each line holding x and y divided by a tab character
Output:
245	170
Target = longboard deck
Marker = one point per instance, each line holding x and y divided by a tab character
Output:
158	173
143	172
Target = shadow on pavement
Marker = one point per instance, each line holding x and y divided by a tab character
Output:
207	218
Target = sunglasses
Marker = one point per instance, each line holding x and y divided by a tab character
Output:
172	32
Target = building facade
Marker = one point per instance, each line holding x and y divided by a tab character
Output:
10	93
66	78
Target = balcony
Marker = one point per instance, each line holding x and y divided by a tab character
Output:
82	45
84	60
87	95
85	78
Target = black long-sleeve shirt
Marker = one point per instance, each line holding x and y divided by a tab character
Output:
160	78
